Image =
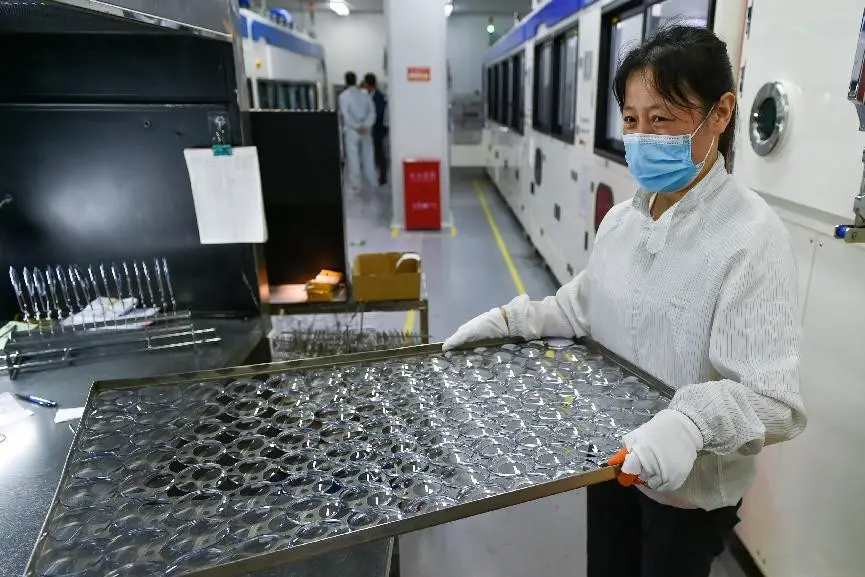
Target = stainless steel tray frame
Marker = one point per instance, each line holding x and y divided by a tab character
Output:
37	352
393	529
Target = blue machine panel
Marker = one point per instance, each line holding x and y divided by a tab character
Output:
549	14
275	36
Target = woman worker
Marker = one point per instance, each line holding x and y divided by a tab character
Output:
693	280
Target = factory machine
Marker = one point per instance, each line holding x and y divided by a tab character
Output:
99	103
285	68
553	130
98	229
97	196
98	225
554	152
287	84
800	146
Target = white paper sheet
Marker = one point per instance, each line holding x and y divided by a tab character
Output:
11	410
227	194
63	415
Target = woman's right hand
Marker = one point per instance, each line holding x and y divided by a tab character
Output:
490	325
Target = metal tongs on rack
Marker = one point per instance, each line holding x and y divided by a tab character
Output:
77	313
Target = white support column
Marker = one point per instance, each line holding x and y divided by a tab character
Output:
418	107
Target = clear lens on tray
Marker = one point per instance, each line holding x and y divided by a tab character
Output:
166	479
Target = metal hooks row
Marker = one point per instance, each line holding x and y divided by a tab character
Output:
306	340
96	296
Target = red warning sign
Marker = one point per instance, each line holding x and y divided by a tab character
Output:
419	74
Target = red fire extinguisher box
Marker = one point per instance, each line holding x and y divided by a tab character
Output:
422	196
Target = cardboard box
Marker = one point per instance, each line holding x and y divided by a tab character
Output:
375	277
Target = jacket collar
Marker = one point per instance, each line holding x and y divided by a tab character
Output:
710	184
706	188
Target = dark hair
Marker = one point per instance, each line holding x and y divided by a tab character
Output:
350	79
369	79
684	62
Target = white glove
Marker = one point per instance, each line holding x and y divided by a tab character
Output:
662	452
490	325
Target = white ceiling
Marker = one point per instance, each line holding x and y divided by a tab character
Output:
464	6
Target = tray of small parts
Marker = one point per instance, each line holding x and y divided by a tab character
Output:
247	469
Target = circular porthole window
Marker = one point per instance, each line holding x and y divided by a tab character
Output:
770	115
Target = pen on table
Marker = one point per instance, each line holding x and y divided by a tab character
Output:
36	400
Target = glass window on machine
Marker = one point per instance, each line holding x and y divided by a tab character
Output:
568	87
250	94
271	94
622	30
507	93
312	97
263	95
293	100
282	96
496	114
517	93
560	64
625	34
489	92
565	59
684	12
503	97
493	88
543	87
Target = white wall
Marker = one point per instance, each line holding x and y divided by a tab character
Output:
357	42
417	33
468	41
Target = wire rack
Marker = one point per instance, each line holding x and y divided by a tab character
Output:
78	313
326	335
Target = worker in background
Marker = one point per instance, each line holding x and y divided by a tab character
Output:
693	280
358	118
379	129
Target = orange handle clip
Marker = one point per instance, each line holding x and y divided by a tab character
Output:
625	479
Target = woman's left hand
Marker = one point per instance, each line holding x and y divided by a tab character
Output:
662	452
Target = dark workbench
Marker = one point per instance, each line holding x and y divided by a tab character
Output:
32	456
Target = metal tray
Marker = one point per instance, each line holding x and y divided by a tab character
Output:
246	469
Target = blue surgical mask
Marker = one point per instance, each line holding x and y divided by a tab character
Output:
661	162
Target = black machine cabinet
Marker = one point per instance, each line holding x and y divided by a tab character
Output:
95	112
299	159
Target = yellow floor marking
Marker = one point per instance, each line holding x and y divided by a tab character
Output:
408	328
503	248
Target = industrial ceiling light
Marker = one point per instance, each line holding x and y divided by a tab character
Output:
339	8
491	27
449	8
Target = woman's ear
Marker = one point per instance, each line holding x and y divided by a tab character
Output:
724	112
